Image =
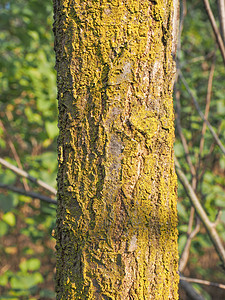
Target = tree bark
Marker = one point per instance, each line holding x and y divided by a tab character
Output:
116	218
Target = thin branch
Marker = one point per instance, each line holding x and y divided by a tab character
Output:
190	291
191	220
182	137
215	29
27	193
26	175
210	227
190	234
221	8
183	12
16	156
204	282
201	114
207	106
209	155
198	59
185	254
218	218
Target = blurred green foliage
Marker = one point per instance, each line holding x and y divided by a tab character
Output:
28	131
198	53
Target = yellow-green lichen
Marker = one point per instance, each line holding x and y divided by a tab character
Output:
116	227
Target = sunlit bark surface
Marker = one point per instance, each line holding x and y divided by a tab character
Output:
116	219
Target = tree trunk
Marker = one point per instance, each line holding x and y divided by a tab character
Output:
116	218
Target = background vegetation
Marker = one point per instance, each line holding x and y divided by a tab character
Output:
28	131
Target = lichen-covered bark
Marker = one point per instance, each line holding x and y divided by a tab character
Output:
116	222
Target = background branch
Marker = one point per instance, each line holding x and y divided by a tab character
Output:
185	254
221	8
16	156
191	292
215	29
201	114
207	107
26	175
204	282
210	227
27	193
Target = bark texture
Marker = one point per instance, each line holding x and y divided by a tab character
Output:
116	217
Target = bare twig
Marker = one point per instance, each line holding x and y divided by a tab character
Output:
204	282
191	220
218	218
183	12
190	291
190	234
198	59
207	106
27	193
182	137
16	156
185	254
215	29
26	175
210	227
209	155
201	114
221	8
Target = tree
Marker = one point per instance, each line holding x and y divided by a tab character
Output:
116	217
28	128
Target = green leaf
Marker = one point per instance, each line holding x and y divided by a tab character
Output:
7	202
220	202
34	35
183	228
30	221
3	279
9	218
3	228
178	149
181	242
52	129
24	282
32	264
8	177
